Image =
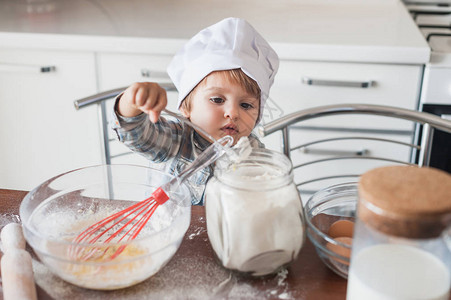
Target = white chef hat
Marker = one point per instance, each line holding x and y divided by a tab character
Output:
229	44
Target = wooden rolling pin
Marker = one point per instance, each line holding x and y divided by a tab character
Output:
16	265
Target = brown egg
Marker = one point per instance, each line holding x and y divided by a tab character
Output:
341	228
340	250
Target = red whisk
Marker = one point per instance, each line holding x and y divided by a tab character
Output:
126	224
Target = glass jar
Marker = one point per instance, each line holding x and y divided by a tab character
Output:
254	213
399	249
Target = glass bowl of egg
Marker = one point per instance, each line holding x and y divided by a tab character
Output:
57	211
330	215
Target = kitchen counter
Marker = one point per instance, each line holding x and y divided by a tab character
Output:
194	273
374	31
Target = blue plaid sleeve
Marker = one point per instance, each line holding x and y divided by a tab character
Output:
157	142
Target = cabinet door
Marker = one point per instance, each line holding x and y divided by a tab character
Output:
41	133
342	160
121	70
300	85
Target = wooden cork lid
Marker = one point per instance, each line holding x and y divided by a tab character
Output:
406	201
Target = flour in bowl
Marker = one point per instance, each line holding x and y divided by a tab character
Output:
142	258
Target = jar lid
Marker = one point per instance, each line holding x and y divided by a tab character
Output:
261	170
406	201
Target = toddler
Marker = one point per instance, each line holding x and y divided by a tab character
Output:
223	76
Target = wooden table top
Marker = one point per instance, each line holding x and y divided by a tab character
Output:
195	273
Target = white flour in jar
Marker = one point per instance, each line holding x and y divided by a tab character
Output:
254	230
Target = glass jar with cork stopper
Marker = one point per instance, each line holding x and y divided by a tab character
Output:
400	248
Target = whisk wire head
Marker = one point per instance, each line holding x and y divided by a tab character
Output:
135	218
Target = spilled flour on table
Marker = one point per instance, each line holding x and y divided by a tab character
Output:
187	276
183	279
8	218
198	230
282	291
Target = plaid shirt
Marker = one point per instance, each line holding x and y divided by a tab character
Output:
170	145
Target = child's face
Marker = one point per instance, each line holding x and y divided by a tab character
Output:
223	107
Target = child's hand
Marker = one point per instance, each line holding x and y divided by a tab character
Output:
146	97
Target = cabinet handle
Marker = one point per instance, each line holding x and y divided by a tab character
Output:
26	68
339	83
320	151
154	74
428	37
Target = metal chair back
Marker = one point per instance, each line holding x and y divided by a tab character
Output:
319	161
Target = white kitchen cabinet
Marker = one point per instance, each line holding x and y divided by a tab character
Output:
338	83
42	134
393	85
304	84
358	153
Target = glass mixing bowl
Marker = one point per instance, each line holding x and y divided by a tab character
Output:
325	208
56	211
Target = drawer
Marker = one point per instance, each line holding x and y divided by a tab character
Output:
121	70
334	126
436	87
300	85
360	153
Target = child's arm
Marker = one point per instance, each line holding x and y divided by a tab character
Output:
158	139
147	97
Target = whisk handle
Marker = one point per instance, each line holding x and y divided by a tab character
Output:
160	196
210	155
